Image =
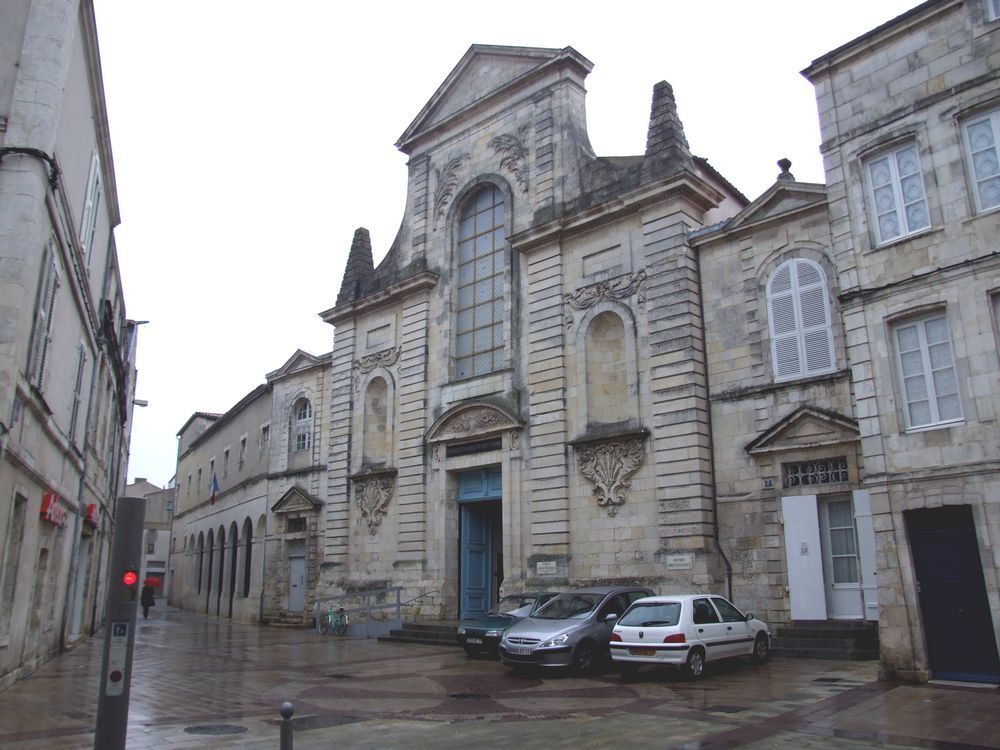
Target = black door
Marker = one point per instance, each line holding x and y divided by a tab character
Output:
955	611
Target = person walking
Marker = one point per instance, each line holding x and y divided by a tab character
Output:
147	600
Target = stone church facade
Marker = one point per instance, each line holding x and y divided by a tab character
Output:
570	369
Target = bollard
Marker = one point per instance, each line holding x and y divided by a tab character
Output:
287	709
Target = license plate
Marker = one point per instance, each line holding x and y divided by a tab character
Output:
642	652
519	650
478	641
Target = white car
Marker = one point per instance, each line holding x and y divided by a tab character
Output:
686	631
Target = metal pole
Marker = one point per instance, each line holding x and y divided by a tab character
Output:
287	709
119	625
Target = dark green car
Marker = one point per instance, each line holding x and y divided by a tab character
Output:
482	636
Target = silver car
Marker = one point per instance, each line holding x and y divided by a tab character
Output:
571	630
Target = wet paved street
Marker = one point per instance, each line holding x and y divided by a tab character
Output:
195	678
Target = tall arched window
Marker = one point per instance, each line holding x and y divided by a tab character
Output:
302	425
482	262
799	311
375	448
607	372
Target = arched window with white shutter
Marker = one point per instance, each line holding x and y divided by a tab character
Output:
798	308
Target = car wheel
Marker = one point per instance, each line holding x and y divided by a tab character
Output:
760	649
583	657
695	664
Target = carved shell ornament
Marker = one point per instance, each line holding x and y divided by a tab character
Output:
513	155
373	496
618	288
447	184
609	466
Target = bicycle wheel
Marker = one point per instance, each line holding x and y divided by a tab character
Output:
326	622
340	627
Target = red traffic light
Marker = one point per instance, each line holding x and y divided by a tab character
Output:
130	578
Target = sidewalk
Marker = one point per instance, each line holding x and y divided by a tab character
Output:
199	682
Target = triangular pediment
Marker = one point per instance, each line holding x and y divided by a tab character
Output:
299	361
296	500
782	198
484	72
806	427
470	421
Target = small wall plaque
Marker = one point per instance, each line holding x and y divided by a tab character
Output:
679	562
546	568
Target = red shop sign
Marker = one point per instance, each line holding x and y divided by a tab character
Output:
93	517
52	511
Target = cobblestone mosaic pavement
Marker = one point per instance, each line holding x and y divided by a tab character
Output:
199	682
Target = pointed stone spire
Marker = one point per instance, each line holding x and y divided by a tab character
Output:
359	266
666	146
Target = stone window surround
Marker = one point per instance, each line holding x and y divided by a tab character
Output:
989	107
358	423
889	152
458	204
856	174
892	324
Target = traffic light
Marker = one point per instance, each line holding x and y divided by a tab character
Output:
131	580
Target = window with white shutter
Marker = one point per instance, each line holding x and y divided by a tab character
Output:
927	371
981	136
896	193
799	317
44	309
81	365
91	204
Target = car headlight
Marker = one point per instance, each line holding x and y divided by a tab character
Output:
492	633
557	641
461	630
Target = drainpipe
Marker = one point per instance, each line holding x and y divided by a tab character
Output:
711	436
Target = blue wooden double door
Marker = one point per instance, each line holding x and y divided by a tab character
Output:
480	540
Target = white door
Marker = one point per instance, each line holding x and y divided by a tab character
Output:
296	580
840	558
803	557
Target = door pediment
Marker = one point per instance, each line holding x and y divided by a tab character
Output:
472	420
806	427
296	500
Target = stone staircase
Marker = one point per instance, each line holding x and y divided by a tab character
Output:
291	621
429	634
827	639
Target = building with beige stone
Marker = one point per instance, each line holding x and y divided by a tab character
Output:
572	369
67	350
244	540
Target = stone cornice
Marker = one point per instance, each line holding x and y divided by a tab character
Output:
405	288
685	186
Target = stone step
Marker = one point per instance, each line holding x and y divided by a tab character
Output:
431	634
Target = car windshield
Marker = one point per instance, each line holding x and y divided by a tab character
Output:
511	603
652	614
569	607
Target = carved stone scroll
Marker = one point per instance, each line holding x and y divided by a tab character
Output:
618	288
373	495
384	358
609	465
513	155
447	184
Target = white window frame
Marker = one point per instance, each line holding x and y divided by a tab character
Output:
993	10
91	204
993	118
302	438
927	371
45	306
809	330
900	203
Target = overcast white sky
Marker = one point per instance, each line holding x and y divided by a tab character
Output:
252	138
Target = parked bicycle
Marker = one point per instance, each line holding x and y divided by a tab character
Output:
335	619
